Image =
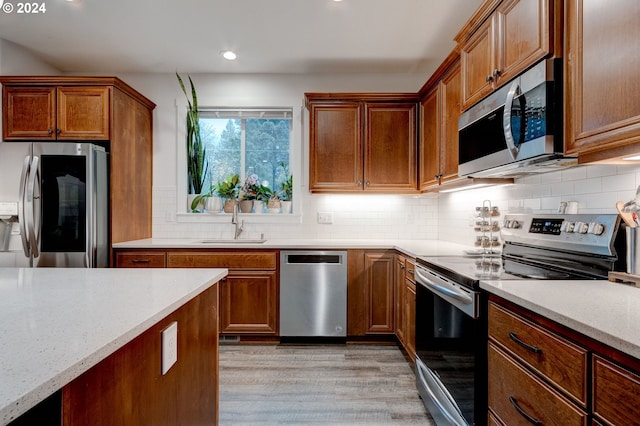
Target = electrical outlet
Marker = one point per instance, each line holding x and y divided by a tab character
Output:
325	217
169	347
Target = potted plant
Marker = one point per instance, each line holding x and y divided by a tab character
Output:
286	190
263	194
196	153
274	204
229	189
248	193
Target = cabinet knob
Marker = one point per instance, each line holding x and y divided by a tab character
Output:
367	182
359	182
489	78
57	131
49	130
496	72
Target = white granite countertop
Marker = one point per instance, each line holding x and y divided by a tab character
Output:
56	323
413	248
605	311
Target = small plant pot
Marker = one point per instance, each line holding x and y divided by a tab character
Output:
228	205
258	206
246	206
273	206
213	205
286	207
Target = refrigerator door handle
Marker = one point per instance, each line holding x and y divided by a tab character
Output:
34	179
21	201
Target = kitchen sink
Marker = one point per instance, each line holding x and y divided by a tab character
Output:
232	241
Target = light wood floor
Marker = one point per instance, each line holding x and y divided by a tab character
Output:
320	384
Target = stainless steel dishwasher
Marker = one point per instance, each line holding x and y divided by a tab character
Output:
313	293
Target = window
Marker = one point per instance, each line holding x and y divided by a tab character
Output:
246	142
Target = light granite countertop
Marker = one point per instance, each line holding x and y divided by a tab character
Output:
56	323
605	311
413	248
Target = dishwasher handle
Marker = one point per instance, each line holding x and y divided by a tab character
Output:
306	259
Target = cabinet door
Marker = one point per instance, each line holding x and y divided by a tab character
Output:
83	113
248	303
399	294
390	153
450	98
379	292
477	58
430	139
603	60
524	39
336	149
29	113
409	317
615	393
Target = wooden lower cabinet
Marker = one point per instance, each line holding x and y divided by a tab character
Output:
616	393
517	397
555	375
370	292
127	388
249	297
406	304
249	293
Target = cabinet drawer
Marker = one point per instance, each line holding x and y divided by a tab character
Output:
616	393
140	260
560	361
230	260
515	394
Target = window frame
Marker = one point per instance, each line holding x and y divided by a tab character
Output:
296	162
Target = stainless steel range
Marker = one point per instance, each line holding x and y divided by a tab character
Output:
451	320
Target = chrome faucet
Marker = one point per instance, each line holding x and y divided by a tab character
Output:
239	224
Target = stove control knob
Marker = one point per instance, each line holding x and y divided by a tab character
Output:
563	227
515	224
581	228
596	228
569	227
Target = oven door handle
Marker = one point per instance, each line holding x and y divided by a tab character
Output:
439	395
442	287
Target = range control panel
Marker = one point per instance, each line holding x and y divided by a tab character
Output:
593	233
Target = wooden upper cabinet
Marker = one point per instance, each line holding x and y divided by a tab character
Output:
83	113
29	113
515	36
603	79
362	142
390	153
56	113
335	162
440	110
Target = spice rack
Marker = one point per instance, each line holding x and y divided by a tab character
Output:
487	228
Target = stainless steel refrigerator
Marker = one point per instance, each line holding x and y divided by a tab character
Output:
54	205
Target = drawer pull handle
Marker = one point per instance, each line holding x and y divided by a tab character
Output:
528	347
520	411
140	261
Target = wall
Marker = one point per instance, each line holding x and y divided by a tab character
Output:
596	188
445	216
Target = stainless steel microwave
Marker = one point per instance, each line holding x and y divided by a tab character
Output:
517	129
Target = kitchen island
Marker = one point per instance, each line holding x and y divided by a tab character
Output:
93	338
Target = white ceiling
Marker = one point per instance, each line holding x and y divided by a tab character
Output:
269	36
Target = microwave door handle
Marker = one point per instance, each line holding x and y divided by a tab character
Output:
34	178
506	120
21	205
443	288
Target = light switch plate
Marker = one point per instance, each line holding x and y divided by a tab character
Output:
325	217
169	346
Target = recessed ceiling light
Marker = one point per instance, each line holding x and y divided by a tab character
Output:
229	55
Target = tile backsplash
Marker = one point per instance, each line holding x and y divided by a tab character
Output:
448	216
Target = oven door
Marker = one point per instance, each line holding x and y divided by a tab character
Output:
450	350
